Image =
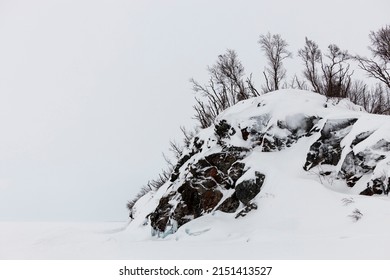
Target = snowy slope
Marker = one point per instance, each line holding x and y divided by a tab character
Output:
305	197
317	171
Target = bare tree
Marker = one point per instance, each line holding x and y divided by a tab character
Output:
328	74
152	185
380	43
374	99
358	93
275	49
252	91
296	83
188	135
311	56
378	66
226	86
378	100
336	73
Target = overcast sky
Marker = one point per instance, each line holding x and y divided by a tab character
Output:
91	91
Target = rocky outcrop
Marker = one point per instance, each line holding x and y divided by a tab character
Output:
248	189
203	188
356	165
327	149
279	135
207	181
213	174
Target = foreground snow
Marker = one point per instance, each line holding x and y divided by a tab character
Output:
109	241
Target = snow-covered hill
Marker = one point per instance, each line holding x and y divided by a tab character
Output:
289	175
289	164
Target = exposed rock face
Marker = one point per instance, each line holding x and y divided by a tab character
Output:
206	180
202	190
280	135
230	204
248	189
327	149
214	174
377	186
355	166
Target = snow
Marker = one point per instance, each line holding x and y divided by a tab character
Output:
283	103
299	215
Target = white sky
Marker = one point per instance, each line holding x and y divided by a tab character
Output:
91	91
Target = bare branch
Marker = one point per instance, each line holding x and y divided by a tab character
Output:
275	49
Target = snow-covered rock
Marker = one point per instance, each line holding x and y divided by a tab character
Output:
266	146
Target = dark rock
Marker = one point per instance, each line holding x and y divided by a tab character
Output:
327	149
239	152
248	189
176	171
183	160
230	205
189	205
246	210
244	133
201	191
206	183
210	199
202	164
351	181
181	214
368	192
198	144
211	172
190	197
377	186
236	171
268	145
360	137
223	161
269	141
328	152
353	168
222	129
174	176
192	200
160	217
197	147
357	165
